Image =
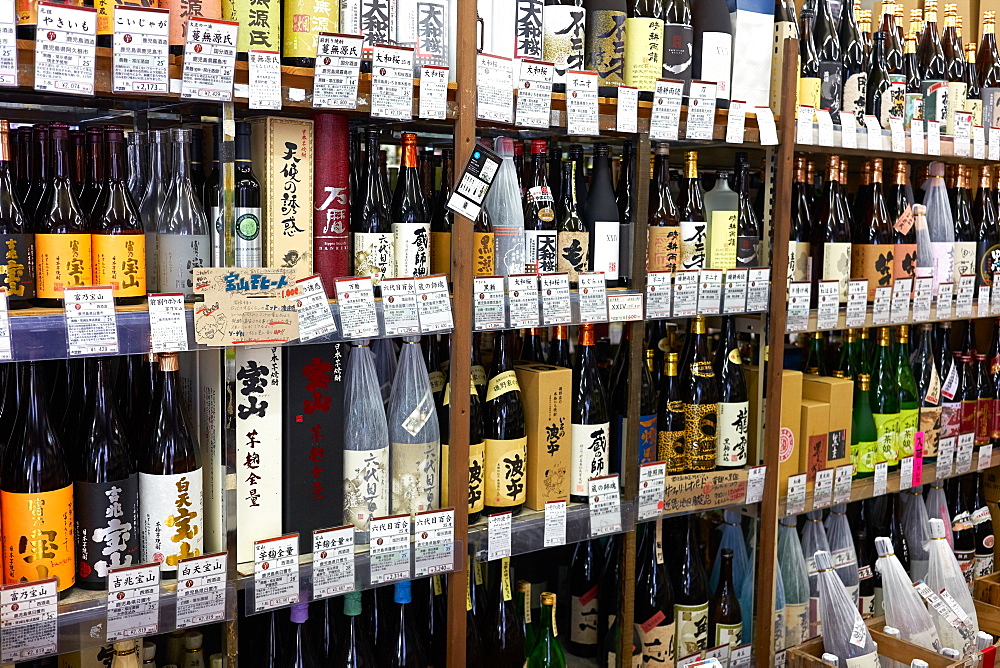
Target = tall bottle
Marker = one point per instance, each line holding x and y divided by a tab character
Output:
138	159
182	232
678	41
624	196
893	44
644	44
965	235
801	232
548	652
931	60
374	247
354	647
170	481
748	226
988	71
872	250
442	219
699	388
909	399
408	213
573	239
405	647
984	217
664	233
691	595
248	233
831	244
963	534
605	42
928	383
713	50
982	526
670	420
694	231
725	621
602	217
733	407
583	584
17	276
828	48
904	233
853	66
878	94
95	171
564	28
885	401
506	438
153	200
539	216
590	429
654	597
39	168
505	643
810	77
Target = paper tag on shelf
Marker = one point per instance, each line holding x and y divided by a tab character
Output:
434	304
827	304
905	473
701	110
434	542
993	152
65	49
735	298
167	324
490	307
985	457
29	625
8	44
795	497
399	306
6	352
978	142
534	94
741	657
824	126
628	109
710	292
918	460
358	318
857	303
922	292
276	572
944	300
201	590
897	134
333	562
658	291
140	47
593	297
848	131
766	127
209	60
873	132
522	297
652	482
605	505
759	290
842	484
934	137
555	524
624	308
963	455
664	121
338	68
881	478
881	306
495	88
498	528
389	549
392	82
433	103
265	79
798	306
133	601
467	198
685	293
555	299
901	290
736	122
995	296
917	137
963	300
91	323
945	458
581	103
315	316
962	133
983	301
823	489
756	476
804	124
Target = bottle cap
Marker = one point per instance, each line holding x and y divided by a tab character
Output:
192	640
401	593
822	558
936	527
148	651
539	146
180	134
831	659
548	598
918	663
936	169
884	546
243	128
300	613
352	604
891	631
217	661
504	146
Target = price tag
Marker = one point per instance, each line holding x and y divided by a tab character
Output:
555	299
167	326
358	319
628	109
658	295
489	310
917	137
934	137
686	293
995	296
897	134
399	306
755	484
825	127
905	473
265	79
522	295
66	57
828	304
741	657
765	126
534	96
758	290
848	131
804	124
881	477
28	620
389	549
983	301
652	483
963	455
495	88
593	297
276	572
555	524
901	290
624	308
6	353
842	484
498	534
874	133
710	292
338	67
994	144
434	304
315	316
701	110
434	542
433	102
581	103
823	490
91	324
978	142
795	502
392	82
333	562
922	291
133	601
857	303
209	60
140	47
665	119
945	458
736	122
798	306
963	133
963	300
735	297
985	457
880	307
605	506
201	590
8	44
467	198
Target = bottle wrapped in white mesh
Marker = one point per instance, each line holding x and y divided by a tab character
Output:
937	506
904	609
844	632
845	559
814	540
795	577
915	530
945	578
503	203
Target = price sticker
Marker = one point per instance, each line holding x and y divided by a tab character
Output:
897	134
593	297
963	300
945	458
874	133
848	131
658	291
735	297
685	293
555	524
736	122
798	306
167	325
28	620
995	296
905	473
881	477
389	549
922	293
710	292
665	119
994	144
881	306
433	102
534	95
434	542
857	303
498	534
140	48
555	299
522	295
804	124
133	601
8	44
333	562
985	457
399	306
65	59
828	305
756	476
581	103
628	109
605	506
765	126
91	323
944	294
963	456
652	483
338	68
901	290
6	349
983	301
495	89
742	657
201	590
795	501
934	137
824	126
917	137
962	133
276	572
433	304
624	308
758	290
823	489
264	74
392	82
701	110
490	310
978	142
315	316
209	60
842	484
358	318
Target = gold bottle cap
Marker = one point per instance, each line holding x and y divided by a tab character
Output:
548	598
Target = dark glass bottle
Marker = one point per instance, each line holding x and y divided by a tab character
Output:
854	70
354	649
828	49
404	648
371	231
810	77
885	401
590	429
700	390
725	621
664	218
583	587
559	347
39	166
872	237
23	163
864	547
694	228
982	526
409	215
442	219
930	53
503	421
624	191
602	217
904	254
654	596
539	215
505	642
928	384
734	407
878	96
691	618
893	45
962	528
17	276
249	232
301	652
831	243
95	171
748	230
573	239
984	217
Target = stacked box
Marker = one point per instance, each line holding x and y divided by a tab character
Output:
546	395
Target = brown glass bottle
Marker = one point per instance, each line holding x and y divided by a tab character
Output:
670	421
664	219
504	640
590	416
725	621
701	397
539	215
904	255
872	248
690	594
504	427
17	275
831	243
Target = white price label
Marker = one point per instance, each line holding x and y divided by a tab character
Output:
963	300
555	299
857	303
333	562
433	304
766	127
624	308
495	89
8	44
356	299
848	131
498	536
201	590
735	297
628	109
741	657
701	110
399	306
28	620
922	295
983	301
433	102
666	115
534	95
140	47
798	306
994	144
652	483
842	484
963	455
91	323
945	458
827	304
823	489
337	70
756	476
264	74
710	292
167	323
795	502
593	297
905	473
874	133
901	290
736	122
555	524
881	306
685	293
995	296
881	477
824	128
392	82
133	601
6	349
934	137
917	137
490	311
962	133
897	134
65	59
389	549
315	316
276	572
944	300
605	506
522	296
658	295
759	290
978	142
434	542
209	60
804	124
985	457
581	103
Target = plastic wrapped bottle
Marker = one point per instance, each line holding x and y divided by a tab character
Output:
936	503
732	539
503	204
844	632
795	577
385	354
904	610
845	559
940	226
813	541
915	530
944	574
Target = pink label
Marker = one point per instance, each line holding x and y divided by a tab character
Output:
653	621
918	458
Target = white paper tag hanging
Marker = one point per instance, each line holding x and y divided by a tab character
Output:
201	590
490	307
167	323
265	79
333	561
65	49
389	550
664	123
433	103
209	60
467	198
555	524
522	297
874	133
356	299
963	134
736	122
765	126
917	137
140	49
498	528
8	44
434	542
934	137
338	67
857	303
495	88
133	601
758	289
91	322
804	124
433	304
978	142
315	316
276	572
29	623
581	103
685	293
628	109
392	82
605	506
824	126
994	144
658	295
534	94
897	134
735	296
652	481
399	307
554	291
701	110
848	131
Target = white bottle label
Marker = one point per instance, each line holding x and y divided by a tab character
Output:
796	623
366	486
589	452
657	641
692	628
716	61
837	266
415	470
943	254
733	425
412	248
866	661
177	256
965	259
171	515
540	253
583	618
248	241
694	245
605	245
728	634
374	256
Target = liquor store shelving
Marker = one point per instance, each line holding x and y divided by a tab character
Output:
813	325
947	153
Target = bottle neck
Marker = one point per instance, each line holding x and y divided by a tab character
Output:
60	157
409	156
243	148
540	168
504	351
96	165
117	171
40	154
182	160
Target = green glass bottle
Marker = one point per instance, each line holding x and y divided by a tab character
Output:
816	356
524	608
845	366
909	402
864	434
547	653
885	401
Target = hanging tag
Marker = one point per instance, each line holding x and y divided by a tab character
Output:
133	601
392	82
985	457
434	304
804	124
978	142
905	473
167	323
735	297
338	68
522	296
983	301
65	49
922	294
828	304
581	103
963	300
934	137
824	126
201	590
994	144
945	458
874	133
765	125
356	299
490	308
555	299
798	306
842	484
658	291
498	534
433	102
795	501
264	74
28	620
917	137
901	290
701	110
495	88
276	572
628	109
709	291
434	542
918	460
389	549
91	323
897	134
848	131
756	475
593	297
652	482
624	308
333	561
758	289
944	300
534	94
399	307
881	477
665	119
881	306
315	316
140	47
736	122
209	60
857	303
555	524
823	490
605	506
963	453
467	198
8	44
685	293
963	133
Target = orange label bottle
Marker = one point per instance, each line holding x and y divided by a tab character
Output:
38	536
120	261
64	260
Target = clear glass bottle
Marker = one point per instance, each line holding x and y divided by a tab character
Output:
182	228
